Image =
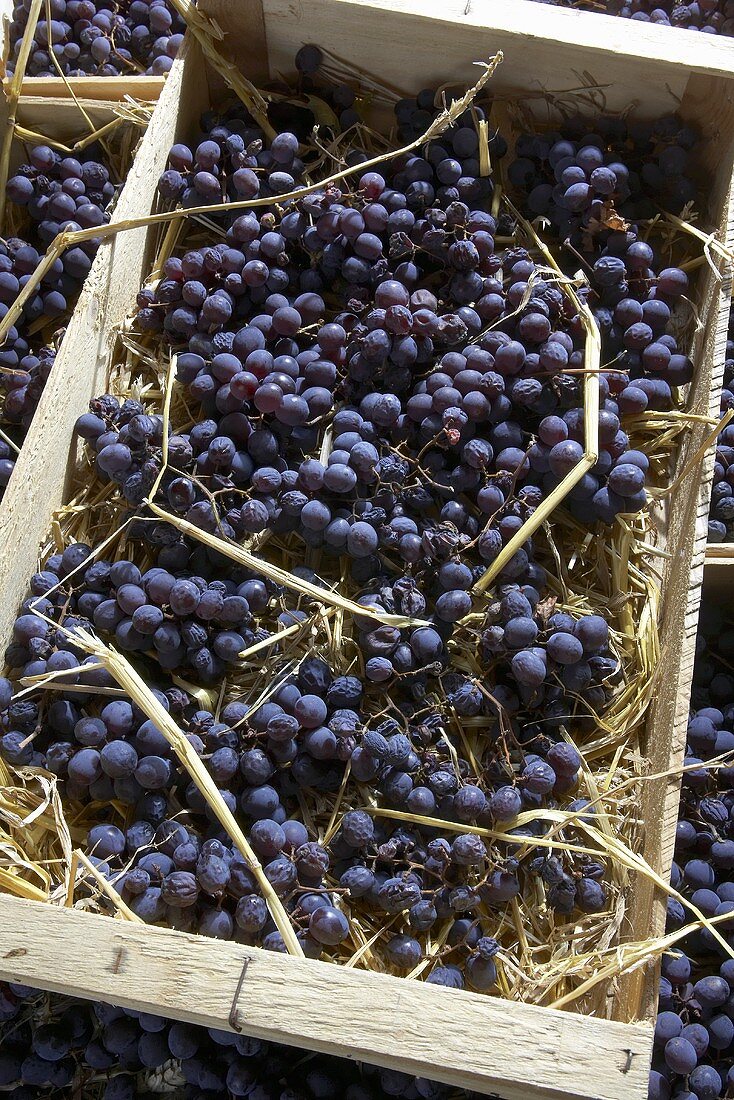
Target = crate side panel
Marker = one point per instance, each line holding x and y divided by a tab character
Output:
112	89
686	541
540	54
464	1039
552	37
243	26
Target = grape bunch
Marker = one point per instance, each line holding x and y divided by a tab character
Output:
53	1044
594	194
297	744
185	612
588	181
721	516
694	1034
236	314
99	37
57	193
64	194
706	16
235	157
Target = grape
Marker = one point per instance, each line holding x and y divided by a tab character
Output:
106	841
52	1042
179	889
706	1082
565	648
529	668
267	838
328	925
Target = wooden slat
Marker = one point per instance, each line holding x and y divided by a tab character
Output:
545	48
112	89
713	110
463	1039
720	553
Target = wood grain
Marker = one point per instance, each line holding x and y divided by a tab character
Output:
719	553
545	48
464	1039
112	89
244	40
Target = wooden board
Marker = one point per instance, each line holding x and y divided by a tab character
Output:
687	528
546	48
464	1039
111	89
485	1043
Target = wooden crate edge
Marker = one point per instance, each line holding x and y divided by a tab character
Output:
464	1039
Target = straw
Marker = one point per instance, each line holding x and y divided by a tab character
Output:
209	37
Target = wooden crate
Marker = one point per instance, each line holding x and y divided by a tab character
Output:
519	1051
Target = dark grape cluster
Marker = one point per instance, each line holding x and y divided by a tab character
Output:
265	759
99	37
594	193
64	194
706	16
54	1046
56	193
721	516
694	1035
585	181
